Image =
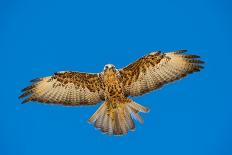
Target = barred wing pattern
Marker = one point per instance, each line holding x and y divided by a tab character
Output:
67	88
156	69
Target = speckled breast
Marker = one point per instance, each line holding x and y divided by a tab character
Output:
113	86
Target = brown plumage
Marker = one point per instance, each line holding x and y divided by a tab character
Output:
113	86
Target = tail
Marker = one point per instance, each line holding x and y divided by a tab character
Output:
116	118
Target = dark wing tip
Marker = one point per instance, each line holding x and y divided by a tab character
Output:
23	102
25	94
201	62
28	88
200	67
180	51
21	96
26	100
36	80
189	56
196	61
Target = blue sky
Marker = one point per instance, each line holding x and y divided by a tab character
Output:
38	38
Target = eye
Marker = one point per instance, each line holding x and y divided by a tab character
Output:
106	67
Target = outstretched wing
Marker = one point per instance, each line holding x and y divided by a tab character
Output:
67	88
156	69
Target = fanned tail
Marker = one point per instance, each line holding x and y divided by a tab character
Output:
116	118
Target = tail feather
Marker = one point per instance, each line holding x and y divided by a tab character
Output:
136	116
117	119
129	121
98	123
99	112
138	107
104	121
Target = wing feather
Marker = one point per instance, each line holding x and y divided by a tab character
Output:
156	69
68	88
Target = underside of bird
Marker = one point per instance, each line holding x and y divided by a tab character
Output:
116	118
114	86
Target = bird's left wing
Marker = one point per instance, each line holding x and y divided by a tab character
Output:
67	88
156	69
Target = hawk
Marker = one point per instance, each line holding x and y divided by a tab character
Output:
114	86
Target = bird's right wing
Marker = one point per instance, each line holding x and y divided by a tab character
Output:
156	69
67	88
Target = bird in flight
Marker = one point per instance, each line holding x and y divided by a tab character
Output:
113	86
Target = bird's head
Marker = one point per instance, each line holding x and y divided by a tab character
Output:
109	67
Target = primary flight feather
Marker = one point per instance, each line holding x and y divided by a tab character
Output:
113	86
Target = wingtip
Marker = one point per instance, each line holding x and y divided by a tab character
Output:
27	88
25	101
24	89
201	67
180	51
196	61
147	110
36	80
202	62
21	96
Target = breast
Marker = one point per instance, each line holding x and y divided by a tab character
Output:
113	86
